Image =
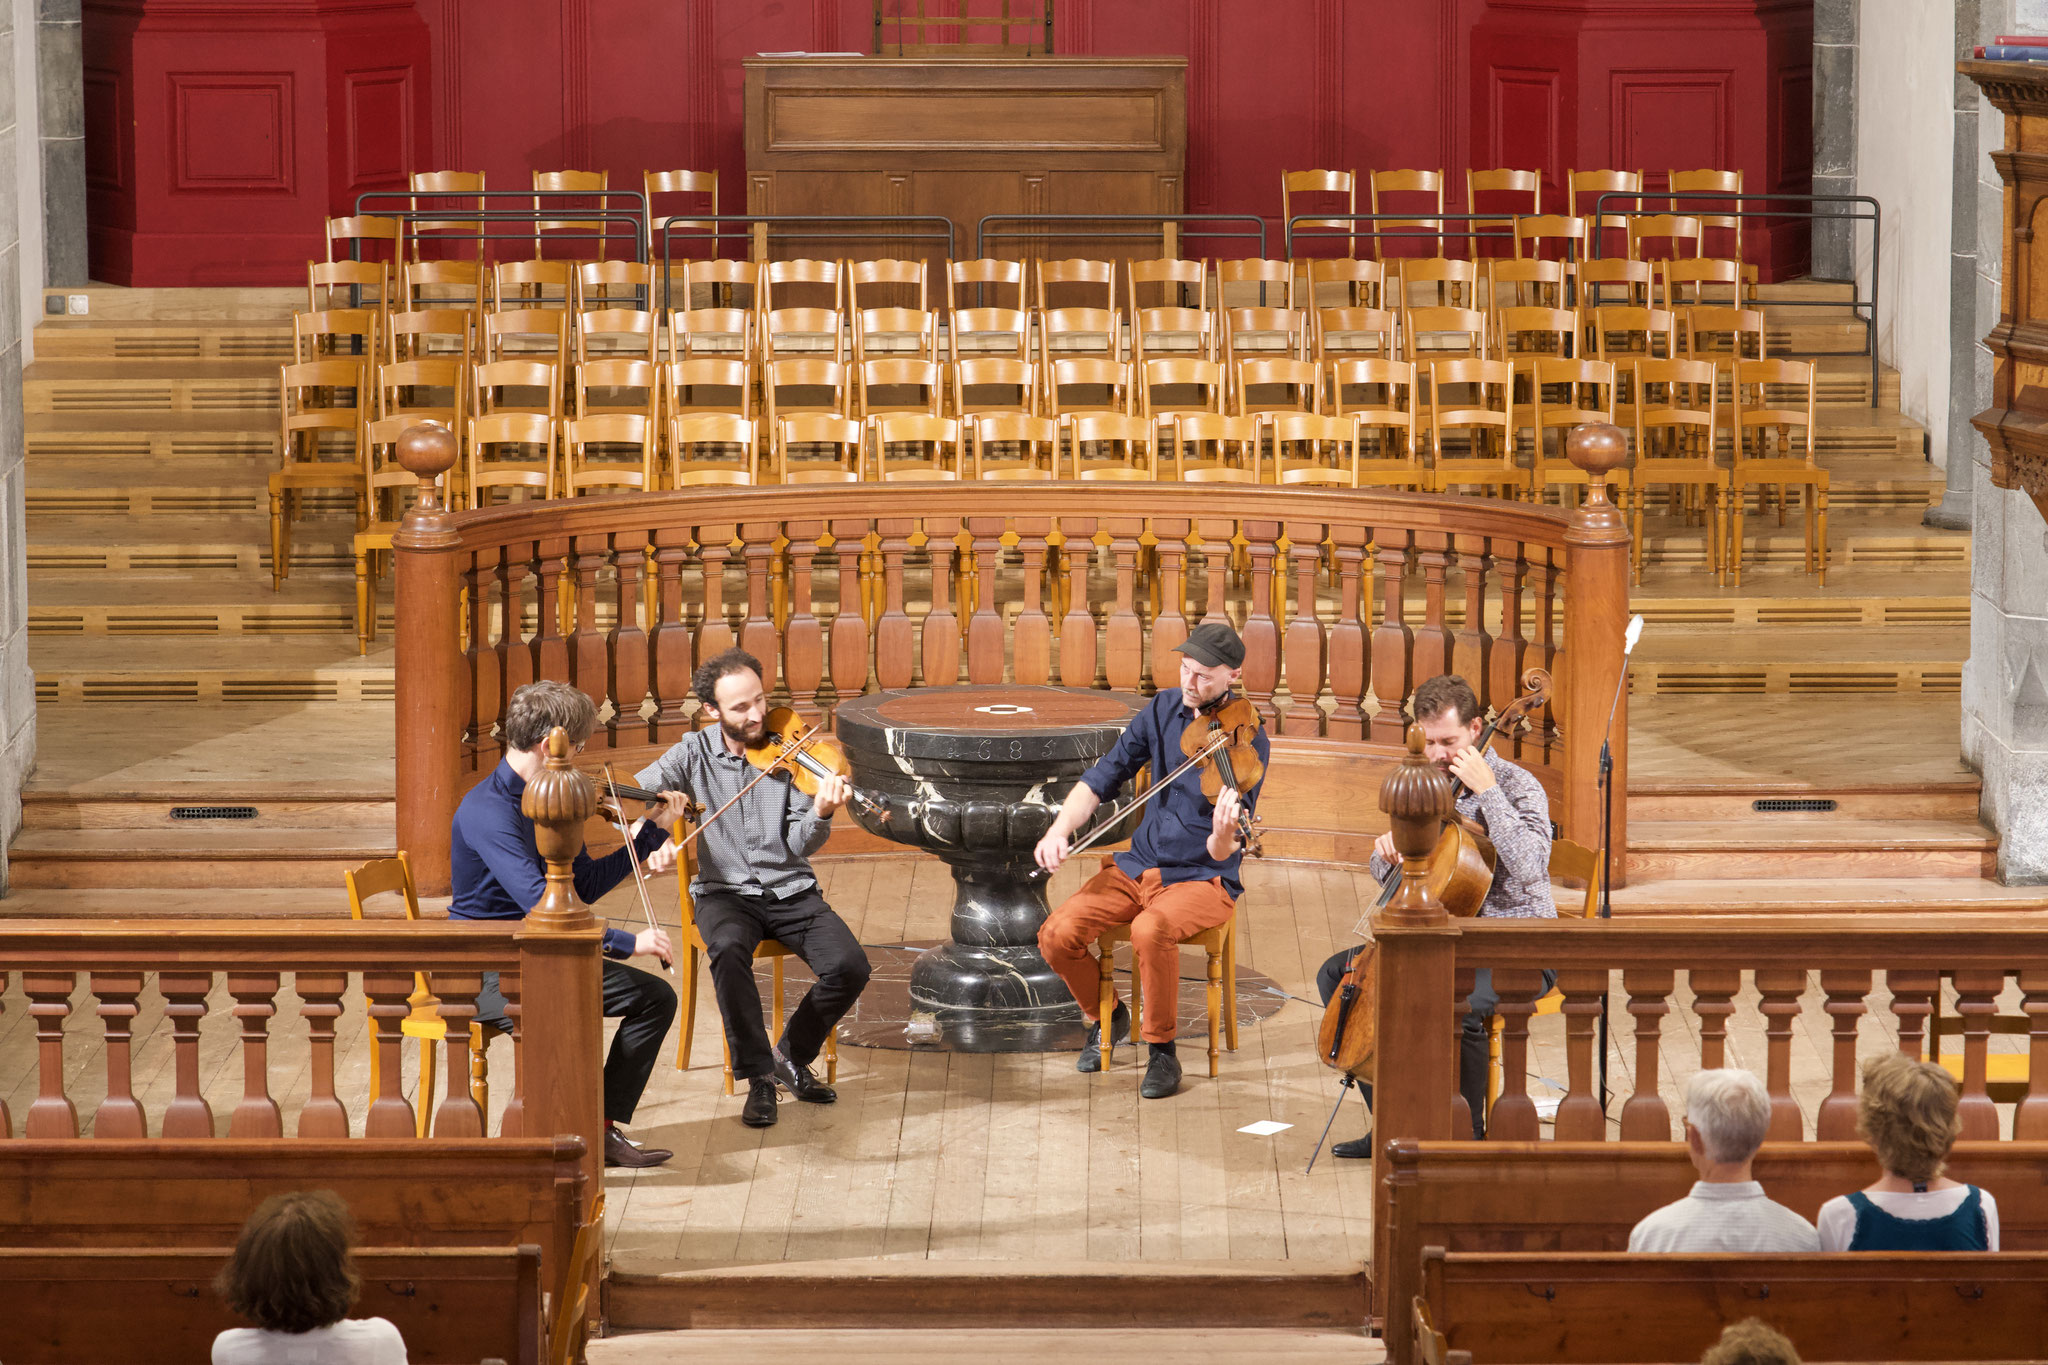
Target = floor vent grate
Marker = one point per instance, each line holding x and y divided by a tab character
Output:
1767	805
213	812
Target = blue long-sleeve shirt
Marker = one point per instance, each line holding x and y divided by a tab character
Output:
1173	834
496	868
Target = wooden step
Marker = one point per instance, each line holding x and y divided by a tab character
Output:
1871	537
1807	288
1809	895
221	900
119	303
1659	801
174	604
243	434
209	808
105	339
238	545
1855	595
1818	659
1803	846
144	487
249	669
307	856
150	386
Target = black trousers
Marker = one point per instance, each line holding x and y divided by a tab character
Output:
1474	1054
644	1004
733	925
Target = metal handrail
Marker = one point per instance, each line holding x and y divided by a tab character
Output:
1038	223
636	216
1875	218
690	222
1439	232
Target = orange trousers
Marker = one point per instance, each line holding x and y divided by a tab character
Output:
1160	917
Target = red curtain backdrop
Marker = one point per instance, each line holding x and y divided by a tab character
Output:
219	137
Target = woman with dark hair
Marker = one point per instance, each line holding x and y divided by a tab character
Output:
291	1275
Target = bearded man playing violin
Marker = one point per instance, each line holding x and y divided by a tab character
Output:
1179	876
1509	804
497	873
754	882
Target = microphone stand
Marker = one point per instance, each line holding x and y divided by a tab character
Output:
1607	840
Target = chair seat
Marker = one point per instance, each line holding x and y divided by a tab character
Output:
1220	943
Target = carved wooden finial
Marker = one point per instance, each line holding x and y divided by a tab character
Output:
558	801
1597	448
1417	796
427	450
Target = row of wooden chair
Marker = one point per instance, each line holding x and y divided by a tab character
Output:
375	236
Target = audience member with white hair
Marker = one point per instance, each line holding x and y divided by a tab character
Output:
1727	1114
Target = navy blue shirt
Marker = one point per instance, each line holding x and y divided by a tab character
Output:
1173	834
496	868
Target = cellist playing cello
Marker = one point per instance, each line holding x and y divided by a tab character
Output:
1510	805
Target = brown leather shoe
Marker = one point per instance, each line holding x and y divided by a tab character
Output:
620	1150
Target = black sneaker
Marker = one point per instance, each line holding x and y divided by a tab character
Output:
799	1081
759	1110
1162	1076
1091	1051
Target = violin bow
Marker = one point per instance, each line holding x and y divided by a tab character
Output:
639	876
1117	813
788	751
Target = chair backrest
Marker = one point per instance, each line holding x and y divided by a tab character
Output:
1019	378
1087	372
1493	382
1296	379
1533	234
818	429
632	432
1284	331
1129	440
584	182
1686	282
1337	330
1329	446
938	437
1522	332
347	284
533	284
1204	376
990	279
1756	410
1574	862
490	434
446	190
550	325
689	434
381	876
336	332
1092	283
679	182
721	280
1689	401
457	283
488	380
984	323
614	284
1418	323
1395	379
725	331
1513	283
913	331
1670	228
400	383
804	372
1234	440
1503	181
1618	330
1096	331
1743	328
1181	283
1569	392
1456	281
628	325
1321	183
1614	280
894	372
1709	182
803	279
619	375
1037	439
1584	188
1408	182
1346	283
409	336
888	283
1255	282
688	377
361	230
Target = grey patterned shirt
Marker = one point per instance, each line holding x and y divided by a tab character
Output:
762	844
1515	812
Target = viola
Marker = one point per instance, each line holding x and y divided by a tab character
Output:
1235	763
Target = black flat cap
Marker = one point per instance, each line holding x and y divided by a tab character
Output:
1213	643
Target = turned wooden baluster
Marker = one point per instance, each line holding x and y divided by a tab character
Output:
51	1114
1261	629
757	631
985	627
512	1123
1303	642
1214	533
1393	643
1031	636
939	645
803	639
1347	635
1461	1108
1433	636
185	1005
257	1116
1514	1114
1511	645
1780	988
1542	741
486	666
1077	627
626	646
2030	1118
390	1116
320	993
589	666
1913	992
714	633
1472	646
120	1114
458	1114
1579	1115
1845	991
1645	1117
1976	1001
1123	636
1713	1001
849	639
550	645
669	646
895	636
1170	622
515	656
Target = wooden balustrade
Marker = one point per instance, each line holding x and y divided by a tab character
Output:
1346	600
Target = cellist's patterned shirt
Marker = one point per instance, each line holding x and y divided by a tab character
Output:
1516	815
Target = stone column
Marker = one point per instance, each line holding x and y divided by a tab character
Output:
60	102
17	685
1835	29
1973	249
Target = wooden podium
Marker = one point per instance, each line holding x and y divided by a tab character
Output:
963	137
2016	423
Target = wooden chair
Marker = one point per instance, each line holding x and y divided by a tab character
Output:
1522	336
383	876
1298	384
896	385
805	384
1163	382
718	283
430	333
388	484
1128	440
1389	454
1219	943
1582	191
1757	414
679	182
1685	283
1669	228
1092	282
1340	334
1153	329
990	278
348	284
1613	281
694	948
990	384
1087	384
447	190
614	284
1456	283
615	333
1487	421
1035	440
789	332
1255	283
1181	284
878	277
1621	333
359	230
569	1325
616	386
879	332
1466	326
1714	182
1529	283
1346	283
1430	183
511	450
1568	393
691	436
588	464
1535	234
1266	331
533	284
1321	183
708	384
1677	430
586	182
1210	448
1309	448
442	284
516	386
336	333
526	334
711	331
789	326
834	432
1571	863
1066	332
1725	336
935	438
1503	181
310	408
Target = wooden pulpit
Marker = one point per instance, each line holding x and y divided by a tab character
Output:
2016	423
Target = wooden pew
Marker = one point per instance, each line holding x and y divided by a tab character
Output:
1586	1196
88	1306
493	1192
1611	1308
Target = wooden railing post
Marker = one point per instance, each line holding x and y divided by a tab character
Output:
562	1063
1416	1002
1595	618
429	663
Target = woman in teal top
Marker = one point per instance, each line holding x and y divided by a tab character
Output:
1907	1113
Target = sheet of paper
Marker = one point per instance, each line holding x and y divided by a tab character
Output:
1265	1128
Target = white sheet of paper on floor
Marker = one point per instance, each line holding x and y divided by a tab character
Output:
1265	1128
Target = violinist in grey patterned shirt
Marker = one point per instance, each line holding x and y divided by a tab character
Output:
1511	806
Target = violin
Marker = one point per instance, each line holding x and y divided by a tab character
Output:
810	755
1236	764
